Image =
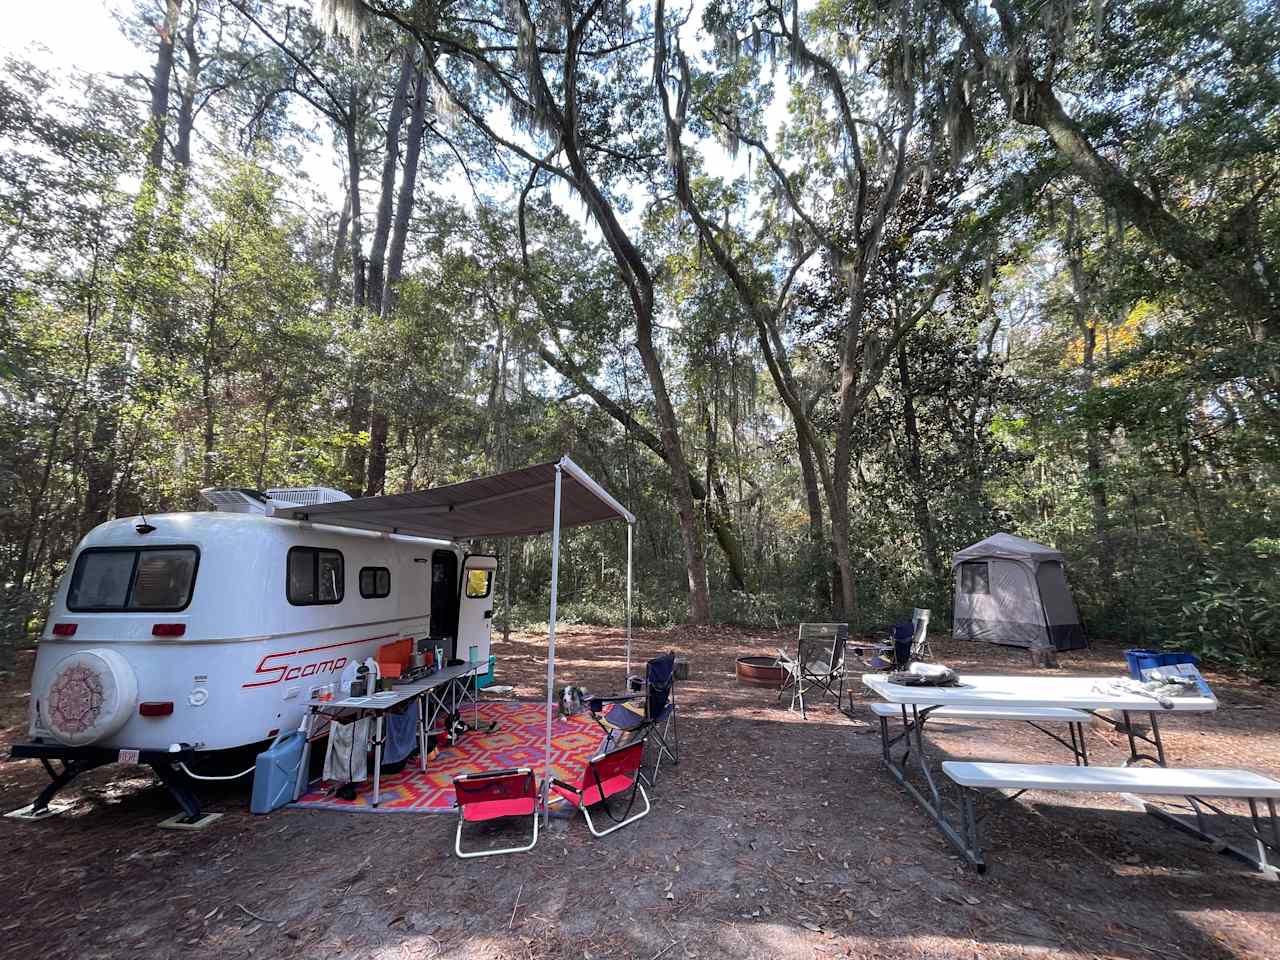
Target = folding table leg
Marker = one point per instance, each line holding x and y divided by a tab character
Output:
930	798
422	732
969	830
304	767
1257	831
377	756
1260	858
1159	742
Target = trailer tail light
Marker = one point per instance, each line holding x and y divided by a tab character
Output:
168	629
64	629
156	708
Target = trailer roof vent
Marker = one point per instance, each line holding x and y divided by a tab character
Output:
235	499
304	496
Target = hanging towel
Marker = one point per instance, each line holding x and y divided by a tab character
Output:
402	734
347	759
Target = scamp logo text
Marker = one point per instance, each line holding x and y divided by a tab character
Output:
278	667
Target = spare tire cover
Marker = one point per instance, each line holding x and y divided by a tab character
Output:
89	696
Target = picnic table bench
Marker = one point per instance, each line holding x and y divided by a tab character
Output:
1074	719
1193	783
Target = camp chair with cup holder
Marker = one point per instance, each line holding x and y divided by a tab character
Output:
657	718
818	663
908	642
493	795
606	776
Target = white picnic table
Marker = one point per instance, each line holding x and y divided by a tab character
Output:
993	690
1004	692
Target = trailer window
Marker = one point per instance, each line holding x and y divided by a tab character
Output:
144	578
479	582
975	578
375	582
315	576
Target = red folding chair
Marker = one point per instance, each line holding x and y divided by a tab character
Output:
489	796
607	775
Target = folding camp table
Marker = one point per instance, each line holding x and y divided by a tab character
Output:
443	691
1002	692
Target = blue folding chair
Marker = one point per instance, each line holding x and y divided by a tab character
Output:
658	721
911	640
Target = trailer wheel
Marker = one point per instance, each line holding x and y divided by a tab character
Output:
90	695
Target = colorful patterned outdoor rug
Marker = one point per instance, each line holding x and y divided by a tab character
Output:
517	742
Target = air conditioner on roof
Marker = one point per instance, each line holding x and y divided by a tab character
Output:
236	500
304	496
245	500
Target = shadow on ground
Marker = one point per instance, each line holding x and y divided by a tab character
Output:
775	837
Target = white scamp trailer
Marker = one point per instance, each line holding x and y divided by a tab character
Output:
176	637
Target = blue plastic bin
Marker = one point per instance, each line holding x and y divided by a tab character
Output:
1140	660
275	775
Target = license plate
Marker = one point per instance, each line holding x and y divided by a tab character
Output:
128	756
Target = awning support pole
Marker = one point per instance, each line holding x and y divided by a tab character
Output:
630	528
551	649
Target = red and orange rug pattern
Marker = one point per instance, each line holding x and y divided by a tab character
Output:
518	741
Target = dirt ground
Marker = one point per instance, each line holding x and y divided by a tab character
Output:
774	837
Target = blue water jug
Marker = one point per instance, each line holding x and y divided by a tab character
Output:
276	772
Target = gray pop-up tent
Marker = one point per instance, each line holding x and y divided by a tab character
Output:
1014	591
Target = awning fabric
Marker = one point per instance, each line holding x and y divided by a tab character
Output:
516	503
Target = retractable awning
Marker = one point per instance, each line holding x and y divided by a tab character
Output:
516	503
540	499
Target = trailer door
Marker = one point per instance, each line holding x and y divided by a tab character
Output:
475	613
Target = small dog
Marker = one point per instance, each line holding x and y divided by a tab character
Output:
571	701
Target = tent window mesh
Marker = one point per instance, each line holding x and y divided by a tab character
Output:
975	578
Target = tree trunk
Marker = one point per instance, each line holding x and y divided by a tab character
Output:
339	254
718	515
206	404
100	469
915	471
408	185
161	76
844	559
378	429
187	99
851	366
699	602
817	524
358	409
209	360
1087	327
376	279
386	194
